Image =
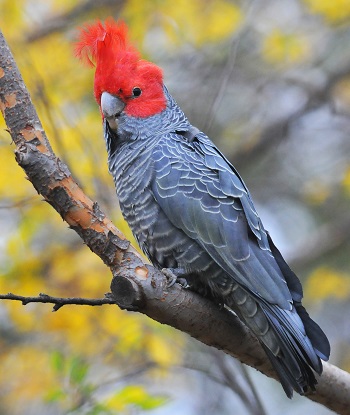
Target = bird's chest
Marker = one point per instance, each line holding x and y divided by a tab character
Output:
133	178
160	240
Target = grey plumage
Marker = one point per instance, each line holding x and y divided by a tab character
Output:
189	210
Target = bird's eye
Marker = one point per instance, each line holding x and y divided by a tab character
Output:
136	92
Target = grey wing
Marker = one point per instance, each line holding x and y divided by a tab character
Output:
202	194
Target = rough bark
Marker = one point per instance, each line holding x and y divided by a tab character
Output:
136	285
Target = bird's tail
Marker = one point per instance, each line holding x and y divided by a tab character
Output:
314	332
292	349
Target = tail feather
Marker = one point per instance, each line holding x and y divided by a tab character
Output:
318	339
297	360
317	346
288	380
290	329
283	336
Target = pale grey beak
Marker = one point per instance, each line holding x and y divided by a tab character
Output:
111	107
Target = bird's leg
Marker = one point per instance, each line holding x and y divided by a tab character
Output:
174	275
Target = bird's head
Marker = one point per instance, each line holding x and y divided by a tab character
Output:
123	81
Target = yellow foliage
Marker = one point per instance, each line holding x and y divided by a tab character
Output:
346	358
26	373
133	395
341	94
72	326
120	401
130	333
9	169
161	352
325	282
195	21
283	48
77	272
11	18
139	14
346	181
316	192
24	318
333	11
200	22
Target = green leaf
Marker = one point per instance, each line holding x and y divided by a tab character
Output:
137	396
99	409
57	361
55	395
78	370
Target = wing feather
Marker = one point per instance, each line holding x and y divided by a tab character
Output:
203	196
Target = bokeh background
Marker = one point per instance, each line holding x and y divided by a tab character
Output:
269	82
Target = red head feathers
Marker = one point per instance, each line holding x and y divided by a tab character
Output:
119	68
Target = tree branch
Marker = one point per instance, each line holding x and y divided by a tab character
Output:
136	285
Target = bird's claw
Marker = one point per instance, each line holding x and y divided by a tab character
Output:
172	278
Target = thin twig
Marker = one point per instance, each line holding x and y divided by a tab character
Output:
233	383
59	301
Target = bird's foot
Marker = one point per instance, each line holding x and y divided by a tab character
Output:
174	275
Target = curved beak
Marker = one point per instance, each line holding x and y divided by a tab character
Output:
111	107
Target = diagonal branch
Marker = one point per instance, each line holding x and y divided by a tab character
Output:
136	285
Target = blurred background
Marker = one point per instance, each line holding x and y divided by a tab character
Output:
269	82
